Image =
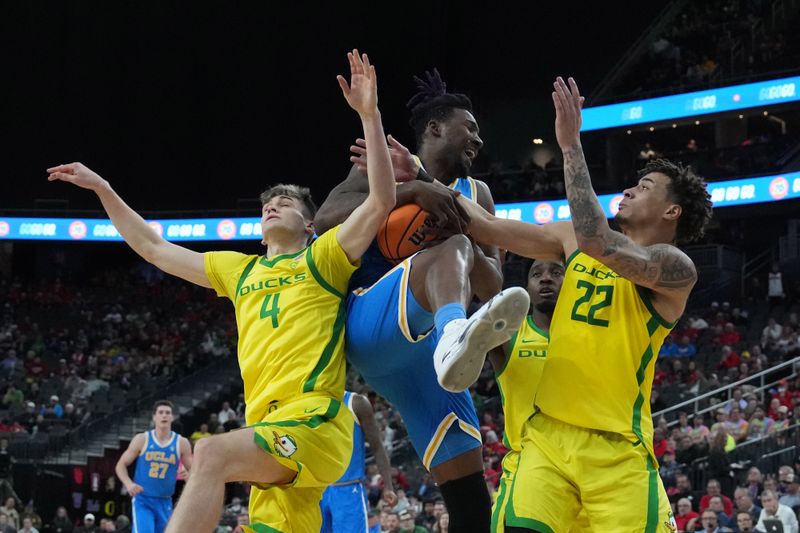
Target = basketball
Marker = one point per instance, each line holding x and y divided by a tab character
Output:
401	235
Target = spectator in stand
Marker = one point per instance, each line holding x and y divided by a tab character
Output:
710	522
700	431
10	510
730	359
30	512
391	523
685	347
789	487
214	424
775	286
781	423
399	479
427	518
736	426
744	502
723	519
201	432
442	523
226	413
88	525
28	418
719	465
736	400
27	526
683	423
713	489
789	343
774	403
744	522
759	425
61	522
5	525
775	511
123	524
669	468
784	395
755	483
771	334
426	487
668	348
373	521
407	524
681	489
53	409
739	317
685	518
13	397
730	337
660	443
106	525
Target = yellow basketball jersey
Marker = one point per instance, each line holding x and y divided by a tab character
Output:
290	315
604	340
518	379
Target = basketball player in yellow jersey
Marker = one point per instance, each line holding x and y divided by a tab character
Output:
289	306
589	444
518	368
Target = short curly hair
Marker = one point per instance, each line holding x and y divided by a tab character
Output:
688	190
303	194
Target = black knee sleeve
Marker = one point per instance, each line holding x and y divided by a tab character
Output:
468	504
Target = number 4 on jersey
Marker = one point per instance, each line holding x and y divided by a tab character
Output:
271	312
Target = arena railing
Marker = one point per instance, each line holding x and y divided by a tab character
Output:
767	452
112	426
701	404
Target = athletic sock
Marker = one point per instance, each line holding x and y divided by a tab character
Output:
468	502
446	314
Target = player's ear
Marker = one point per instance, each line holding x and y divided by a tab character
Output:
673	212
309	231
434	128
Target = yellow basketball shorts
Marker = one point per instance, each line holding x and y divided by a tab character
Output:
565	469
510	462
312	435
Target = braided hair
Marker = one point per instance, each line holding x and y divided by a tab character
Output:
433	102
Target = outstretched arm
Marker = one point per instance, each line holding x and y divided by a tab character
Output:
550	242
169	257
362	225
366	418
662	268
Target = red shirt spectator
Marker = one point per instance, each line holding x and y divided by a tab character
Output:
730	337
730	359
713	489
684	514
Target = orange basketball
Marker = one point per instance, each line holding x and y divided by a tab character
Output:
401	235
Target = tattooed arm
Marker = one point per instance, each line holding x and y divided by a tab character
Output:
663	268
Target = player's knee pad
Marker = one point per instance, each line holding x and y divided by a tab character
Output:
468	503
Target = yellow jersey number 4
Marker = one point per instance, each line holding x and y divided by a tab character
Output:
271	311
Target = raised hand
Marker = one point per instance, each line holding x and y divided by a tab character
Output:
404	164
76	173
568	102
362	91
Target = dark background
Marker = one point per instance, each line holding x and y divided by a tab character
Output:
191	106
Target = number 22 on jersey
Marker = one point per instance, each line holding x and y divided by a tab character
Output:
594	299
